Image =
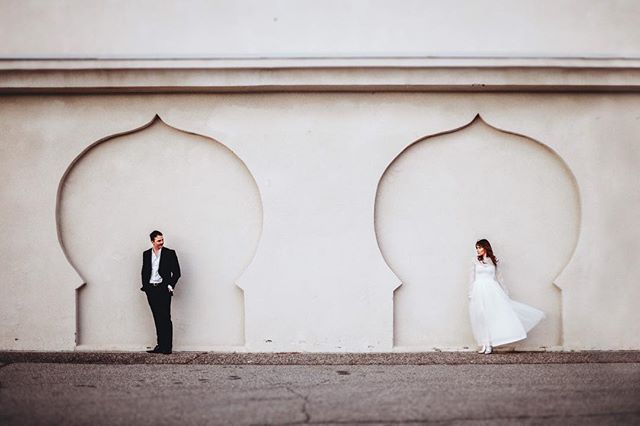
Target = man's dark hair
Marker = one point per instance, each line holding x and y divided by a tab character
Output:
155	234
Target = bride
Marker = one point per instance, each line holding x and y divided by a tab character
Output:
495	318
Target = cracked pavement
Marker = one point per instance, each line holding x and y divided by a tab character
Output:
145	394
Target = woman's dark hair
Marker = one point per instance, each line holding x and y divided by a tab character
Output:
486	245
154	234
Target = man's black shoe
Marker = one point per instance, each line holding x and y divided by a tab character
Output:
165	352
155	350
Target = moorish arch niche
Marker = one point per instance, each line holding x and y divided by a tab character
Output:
207	204
446	191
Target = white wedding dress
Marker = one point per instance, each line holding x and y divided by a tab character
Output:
495	318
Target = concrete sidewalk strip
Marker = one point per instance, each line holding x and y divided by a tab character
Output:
291	358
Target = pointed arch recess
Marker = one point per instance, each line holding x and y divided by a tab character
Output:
256	225
412	339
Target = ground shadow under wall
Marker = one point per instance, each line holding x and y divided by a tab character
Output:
81	290
572	182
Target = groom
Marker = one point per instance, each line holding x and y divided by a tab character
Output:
160	274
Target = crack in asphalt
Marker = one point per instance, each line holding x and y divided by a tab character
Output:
305	399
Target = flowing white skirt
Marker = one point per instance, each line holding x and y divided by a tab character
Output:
495	318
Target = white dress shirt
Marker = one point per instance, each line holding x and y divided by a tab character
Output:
155	264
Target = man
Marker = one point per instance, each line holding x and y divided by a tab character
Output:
160	274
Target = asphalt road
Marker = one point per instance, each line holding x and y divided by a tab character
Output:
98	394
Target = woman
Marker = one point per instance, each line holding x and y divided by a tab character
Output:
495	318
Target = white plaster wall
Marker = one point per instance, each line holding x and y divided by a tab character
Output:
318	281
319	28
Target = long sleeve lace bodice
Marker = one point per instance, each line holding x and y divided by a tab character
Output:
486	270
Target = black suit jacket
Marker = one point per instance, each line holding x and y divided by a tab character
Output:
169	268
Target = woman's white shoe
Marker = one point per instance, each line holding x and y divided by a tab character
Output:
488	350
481	351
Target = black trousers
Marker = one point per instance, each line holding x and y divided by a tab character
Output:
159	299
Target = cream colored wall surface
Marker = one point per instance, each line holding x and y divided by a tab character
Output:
318	280
319	28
